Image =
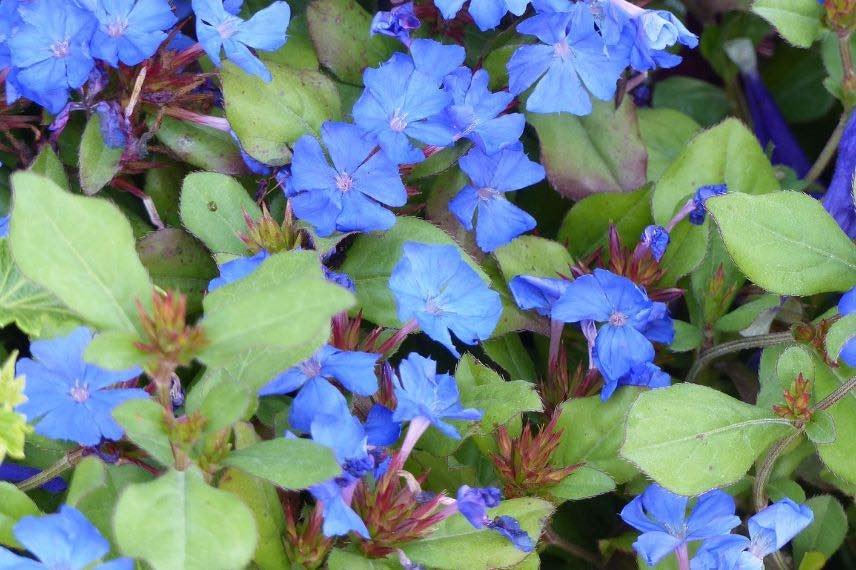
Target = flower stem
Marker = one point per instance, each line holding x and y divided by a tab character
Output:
556	328
683	556
417	427
68	461
759	496
553	539
837	395
759	341
828	151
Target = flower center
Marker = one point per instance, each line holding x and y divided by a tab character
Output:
399	121
79	392
344	182
229	27
61	49
617	319
432	307
312	368
486	194
562	49
117	28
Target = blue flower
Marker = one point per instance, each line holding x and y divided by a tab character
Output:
433	285
653	31
345	435
4	226
236	269
474	112
655	238
645	374
9	22
340	279
509	527
846	306
839	200
661	516
350	195
339	518
68	398
568	64
631	320
130	31
498	221
422	393
700	198
769	531
51	51
216	28
353	370
473	503
402	94
396	23
63	540
485	13
539	293
381	429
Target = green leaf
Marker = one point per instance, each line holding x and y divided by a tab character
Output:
222	405
821	428
298	51
772	389
743	316
457	545
346	560
585	482
500	401
592	433
262	499
144	425
600	152
827	531
80	249
177	522
270	116
47	164
795	360
666	133
831	55
238	317
838	456
687	337
727	153
163	185
14	505
34	309
531	255
289	463
795	79
372	256
586	226
176	260
212	208
798	21
95	487
839	334
699	100
203	147
781	488
508	351
116	350
812	561
338	32
98	162
691	439
785	242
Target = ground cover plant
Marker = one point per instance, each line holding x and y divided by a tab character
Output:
353	284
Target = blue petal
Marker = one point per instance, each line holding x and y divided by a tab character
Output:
583	300
712	515
776	525
317	397
353	369
654	546
499	221
381	429
539	293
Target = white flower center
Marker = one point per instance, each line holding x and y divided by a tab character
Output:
617	319
399	121
562	49
117	28
344	182
79	392
61	49
228	27
486	194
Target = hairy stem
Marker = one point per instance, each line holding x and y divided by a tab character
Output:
837	395
683	555
67	462
759	496
553	539
759	341
828	151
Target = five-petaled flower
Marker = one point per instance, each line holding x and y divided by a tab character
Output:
130	30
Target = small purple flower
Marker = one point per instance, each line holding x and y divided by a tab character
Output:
656	238
645	374
350	195
487	14
839	200
473	503
509	527
130	31
847	306
396	23
65	540
403	94
422	393
475	112
340	279
662	518
570	63
498	221
69	399
539	293
433	285
700	198
236	269
218	29
113	125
